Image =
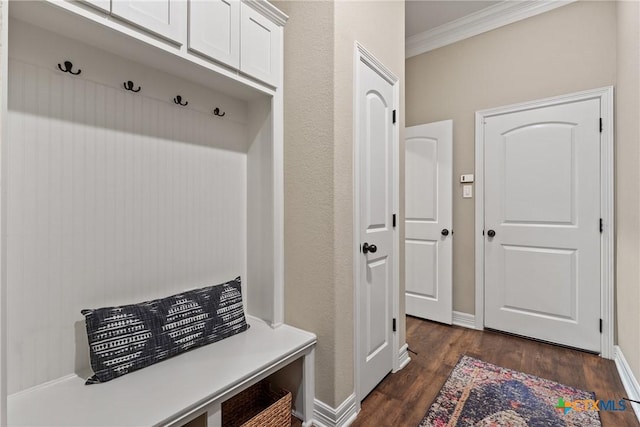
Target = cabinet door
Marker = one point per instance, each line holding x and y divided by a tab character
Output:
260	40
166	18
103	5
214	29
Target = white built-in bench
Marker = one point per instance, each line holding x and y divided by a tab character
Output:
175	391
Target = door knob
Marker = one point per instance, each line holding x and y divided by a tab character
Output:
491	233
366	248
444	232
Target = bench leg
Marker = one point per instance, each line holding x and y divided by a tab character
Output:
308	379
214	415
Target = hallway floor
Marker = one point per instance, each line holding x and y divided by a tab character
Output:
402	399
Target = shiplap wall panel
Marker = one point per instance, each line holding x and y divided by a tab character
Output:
113	198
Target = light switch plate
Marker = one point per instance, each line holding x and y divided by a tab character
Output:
466	178
467	191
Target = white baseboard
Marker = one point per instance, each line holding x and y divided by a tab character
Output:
465	320
297	414
628	379
326	416
403	357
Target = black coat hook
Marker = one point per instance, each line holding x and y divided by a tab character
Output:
178	100
67	68
216	112
128	85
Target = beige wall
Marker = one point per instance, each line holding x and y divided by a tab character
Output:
319	43
627	177
569	49
379	27
308	180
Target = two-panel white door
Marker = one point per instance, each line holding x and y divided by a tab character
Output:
428	220
542	223
375	145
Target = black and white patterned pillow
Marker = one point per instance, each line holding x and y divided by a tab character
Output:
124	339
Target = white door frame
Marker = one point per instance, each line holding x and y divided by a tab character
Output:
362	55
605	95
4	91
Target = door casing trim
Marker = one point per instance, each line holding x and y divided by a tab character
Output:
364	56
605	95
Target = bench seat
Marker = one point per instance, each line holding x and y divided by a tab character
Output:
173	391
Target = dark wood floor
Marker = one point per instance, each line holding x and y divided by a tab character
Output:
402	399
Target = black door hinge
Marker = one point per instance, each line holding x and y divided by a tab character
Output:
394	116
600	124
600	325
601	225
393	325
394	220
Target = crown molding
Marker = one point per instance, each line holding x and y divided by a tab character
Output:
268	10
496	16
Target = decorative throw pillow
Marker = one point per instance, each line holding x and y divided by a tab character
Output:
124	339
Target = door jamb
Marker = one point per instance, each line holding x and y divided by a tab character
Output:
362	55
605	95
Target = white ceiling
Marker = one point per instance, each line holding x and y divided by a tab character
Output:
423	15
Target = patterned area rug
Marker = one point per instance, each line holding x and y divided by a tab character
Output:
481	394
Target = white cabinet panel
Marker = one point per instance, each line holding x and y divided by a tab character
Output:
214	29
166	18
103	5
259	46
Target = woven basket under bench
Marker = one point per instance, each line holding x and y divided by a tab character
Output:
261	405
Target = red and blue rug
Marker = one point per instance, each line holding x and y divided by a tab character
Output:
480	394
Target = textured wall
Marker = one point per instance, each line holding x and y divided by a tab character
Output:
627	176
569	49
308	180
379	27
319	49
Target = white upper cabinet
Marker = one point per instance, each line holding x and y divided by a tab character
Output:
260	46
166	18
103	5
214	30
243	35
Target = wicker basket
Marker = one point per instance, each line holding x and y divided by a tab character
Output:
261	405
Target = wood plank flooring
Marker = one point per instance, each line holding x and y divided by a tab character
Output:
402	399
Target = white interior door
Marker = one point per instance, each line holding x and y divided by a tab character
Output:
542	223
375	144
428	220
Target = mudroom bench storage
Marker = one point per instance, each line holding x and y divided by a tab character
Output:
141	156
172	392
